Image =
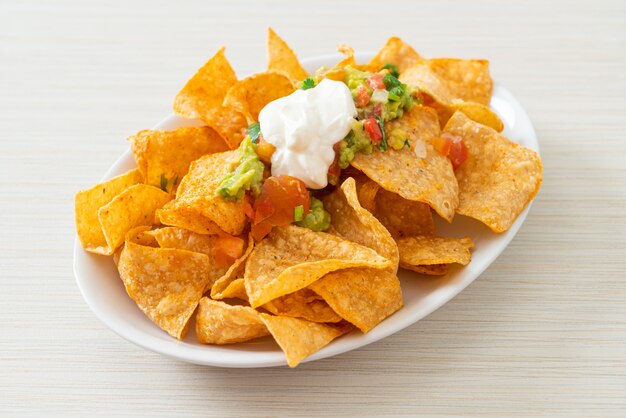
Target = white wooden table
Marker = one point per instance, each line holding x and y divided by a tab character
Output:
541	333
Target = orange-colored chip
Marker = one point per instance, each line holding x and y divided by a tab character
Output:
499	177
251	94
86	204
361	296
235	272
180	214
395	52
163	157
455	84
291	258
133	207
282	59
305	304
421	250
429	270
202	98
402	217
197	192
220	323
366	190
299	338
234	290
427	178
348	60
165	283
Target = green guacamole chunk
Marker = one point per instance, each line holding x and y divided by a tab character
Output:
317	219
247	175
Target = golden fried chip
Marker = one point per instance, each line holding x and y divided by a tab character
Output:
86	205
290	258
429	270
163	157
499	177
197	192
361	296
180	214
299	338
220	323
172	237
366	190
418	251
305	304
235	289
133	207
402	217
251	94
165	283
395	52
429	179
236	271
348	60
454	84
282	59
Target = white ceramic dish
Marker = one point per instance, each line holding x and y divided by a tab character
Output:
104	292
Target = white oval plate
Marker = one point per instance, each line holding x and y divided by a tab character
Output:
104	292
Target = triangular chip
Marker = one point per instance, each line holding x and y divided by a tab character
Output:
86	205
281	58
305	304
429	270
165	283
180	214
163	157
427	178
299	338
220	323
395	52
202	98
197	192
133	207
290	258
348	60
402	217
421	250
251	94
363	297
455	84
234	290
499	177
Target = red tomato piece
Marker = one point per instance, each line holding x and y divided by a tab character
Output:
373	130
442	144
227	249
362	97
276	204
458	153
376	82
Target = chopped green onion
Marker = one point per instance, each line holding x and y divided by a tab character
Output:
394	69
307	83
390	81
164	182
254	131
393	97
298	213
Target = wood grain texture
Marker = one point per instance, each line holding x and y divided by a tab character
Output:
541	333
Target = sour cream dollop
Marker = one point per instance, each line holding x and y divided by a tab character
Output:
304	126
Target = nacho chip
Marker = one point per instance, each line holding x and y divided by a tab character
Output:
197	192
429	270
251	94
454	84
86	205
220	323
348	60
291	258
416	251
362	296
179	214
402	217
172	237
299	338
499	177
202	98
133	207
429	180
282	59
163	157
305	304
236	271
395	52
366	190
234	290
165	283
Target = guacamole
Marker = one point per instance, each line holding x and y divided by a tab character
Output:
247	175
317	219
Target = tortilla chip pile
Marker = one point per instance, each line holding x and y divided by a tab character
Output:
166	227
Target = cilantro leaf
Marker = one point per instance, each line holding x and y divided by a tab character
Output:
307	83
383	142
394	69
254	131
391	81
